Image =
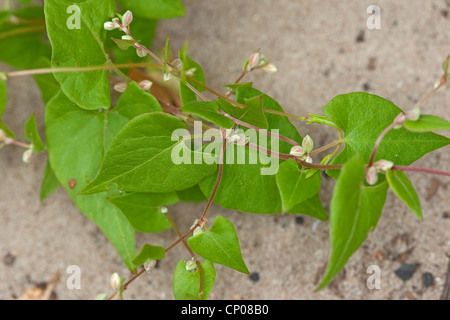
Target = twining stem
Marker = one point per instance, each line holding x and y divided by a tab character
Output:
425	170
328	146
442	83
378	141
20	73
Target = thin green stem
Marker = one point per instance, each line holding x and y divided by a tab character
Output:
326	147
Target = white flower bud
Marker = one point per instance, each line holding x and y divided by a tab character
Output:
127	37
120	87
383	165
26	157
190	72
297	151
115	281
167	76
413	115
308	159
372	176
108	25
163	210
127	18
270	68
191	265
177	63
149	265
145	84
9	141
253	61
140	51
308	144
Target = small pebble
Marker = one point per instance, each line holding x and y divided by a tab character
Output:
299	220
254	276
406	271
9	259
427	279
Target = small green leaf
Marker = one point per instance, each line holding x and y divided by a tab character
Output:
192	194
363	117
404	190
49	182
294	186
251	114
355	211
77	42
32	134
236	86
312	207
199	75
155	9
123	44
186	283
135	101
143	212
210	111
3	97
220	244
140	158
8	132
149	252
186	94
427	123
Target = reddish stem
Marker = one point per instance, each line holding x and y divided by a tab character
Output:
425	170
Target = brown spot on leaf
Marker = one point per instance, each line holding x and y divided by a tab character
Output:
72	183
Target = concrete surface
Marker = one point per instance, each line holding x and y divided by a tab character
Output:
321	48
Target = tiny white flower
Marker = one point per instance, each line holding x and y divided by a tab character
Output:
297	151
26	157
120	87
270	68
108	25
145	85
115	281
127	18
253	61
191	265
308	144
372	176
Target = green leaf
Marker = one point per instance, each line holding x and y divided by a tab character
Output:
140	158
186	283
243	187
16	39
8	132
210	111
123	44
355	211
77	141
294	186
155	9
30	13
192	194
149	252
311	207
251	114
199	75
3	97
49	182
32	134
142	210
76	42
427	123
135	101
363	117
236	86
404	190
186	94
220	244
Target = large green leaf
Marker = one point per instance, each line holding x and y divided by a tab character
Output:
155	9
46	82
77	140
312	207
293	184
252	113
210	111
243	186
355	211
404	189
219	244
142	210
427	123
363	117
141	158
49	182
80	46
186	283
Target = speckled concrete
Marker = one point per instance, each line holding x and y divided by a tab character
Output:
322	48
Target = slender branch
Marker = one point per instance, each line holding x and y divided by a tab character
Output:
441	84
378	141
289	115
326	147
224	97
425	170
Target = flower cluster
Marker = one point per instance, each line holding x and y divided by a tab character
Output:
302	152
259	61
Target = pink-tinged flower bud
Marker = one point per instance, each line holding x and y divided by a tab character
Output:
191	265
145	84
26	157
270	68
399	120
120	87
308	159
297	151
383	165
149	265
115	281
413	115
9	140
308	144
127	18
116	21
140	51
253	61
127	37
108	25
372	176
